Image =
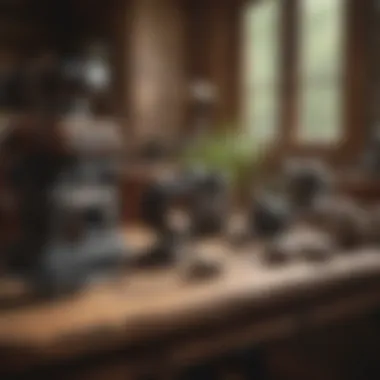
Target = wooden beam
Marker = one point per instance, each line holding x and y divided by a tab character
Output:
289	53
156	70
356	85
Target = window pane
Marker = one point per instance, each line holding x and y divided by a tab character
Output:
321	36
320	114
262	41
261	67
321	70
263	114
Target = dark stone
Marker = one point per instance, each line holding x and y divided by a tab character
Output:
317	252
346	222
299	245
202	269
269	215
305	182
276	254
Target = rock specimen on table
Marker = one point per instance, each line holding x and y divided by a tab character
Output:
305	181
202	269
277	253
292	246
237	231
199	260
269	215
347	222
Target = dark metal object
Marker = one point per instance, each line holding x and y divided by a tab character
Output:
68	214
192	204
201	196
62	175
32	164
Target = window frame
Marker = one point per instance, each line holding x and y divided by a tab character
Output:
323	83
355	84
267	85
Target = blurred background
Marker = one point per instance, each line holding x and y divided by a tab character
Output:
280	68
297	75
236	86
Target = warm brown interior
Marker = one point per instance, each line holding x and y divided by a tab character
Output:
161	47
192	39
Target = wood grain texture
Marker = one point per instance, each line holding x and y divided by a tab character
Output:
157	86
153	306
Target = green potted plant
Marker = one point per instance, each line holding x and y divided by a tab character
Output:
230	152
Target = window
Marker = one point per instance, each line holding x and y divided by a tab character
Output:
320	81
317	67
261	71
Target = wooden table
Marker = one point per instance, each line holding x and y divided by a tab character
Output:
158	322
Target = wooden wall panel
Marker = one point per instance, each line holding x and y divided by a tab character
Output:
289	30
373	74
214	49
224	59
357	96
157	49
157	78
21	29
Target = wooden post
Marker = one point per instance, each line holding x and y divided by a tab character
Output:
156	76
356	83
289	30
